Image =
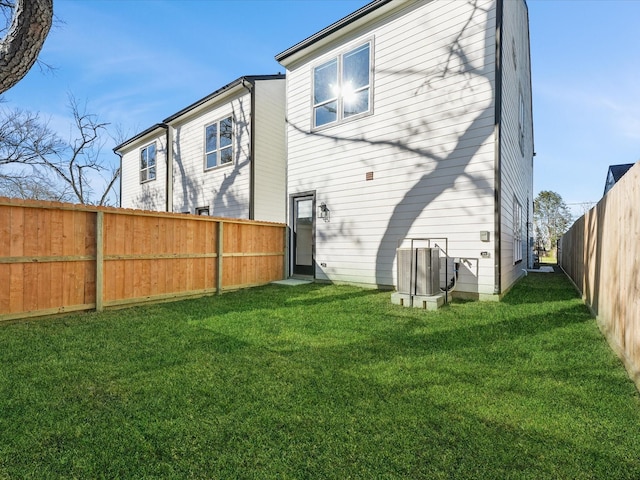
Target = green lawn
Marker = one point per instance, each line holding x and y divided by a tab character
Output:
319	381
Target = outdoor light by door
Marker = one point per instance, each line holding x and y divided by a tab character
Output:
323	212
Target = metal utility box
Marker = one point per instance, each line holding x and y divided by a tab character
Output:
418	271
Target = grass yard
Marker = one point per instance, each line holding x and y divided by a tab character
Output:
319	381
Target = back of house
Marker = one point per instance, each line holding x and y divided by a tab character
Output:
409	121
224	155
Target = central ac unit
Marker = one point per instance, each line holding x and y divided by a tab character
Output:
418	271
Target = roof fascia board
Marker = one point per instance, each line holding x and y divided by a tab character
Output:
140	138
366	14
219	95
199	105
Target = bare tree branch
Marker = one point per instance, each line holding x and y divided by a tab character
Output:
31	184
76	164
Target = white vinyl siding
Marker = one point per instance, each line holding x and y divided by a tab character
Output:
149	195
430	146
516	134
270	153
214	171
226	188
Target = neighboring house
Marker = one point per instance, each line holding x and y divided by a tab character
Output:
224	155
412	119
614	174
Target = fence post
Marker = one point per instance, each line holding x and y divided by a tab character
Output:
286	246
99	260
219	257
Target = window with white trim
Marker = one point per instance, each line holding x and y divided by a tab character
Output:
218	143
521	123
148	163
342	87
517	231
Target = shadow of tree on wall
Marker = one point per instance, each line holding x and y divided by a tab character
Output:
151	196
219	195
479	130
189	195
224	198
150	199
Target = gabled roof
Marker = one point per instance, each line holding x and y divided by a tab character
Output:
195	105
220	91
619	170
142	134
615	173
334	27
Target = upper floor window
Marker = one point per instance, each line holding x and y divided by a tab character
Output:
218	143
148	163
521	116
342	86
517	231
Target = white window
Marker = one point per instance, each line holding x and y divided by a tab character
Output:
148	163
521	123
218	143
342	87
517	231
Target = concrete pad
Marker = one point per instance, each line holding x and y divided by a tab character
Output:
292	282
543	269
432	302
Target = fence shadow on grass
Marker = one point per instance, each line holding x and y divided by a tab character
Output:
540	288
264	297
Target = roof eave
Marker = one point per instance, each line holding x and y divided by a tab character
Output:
331	29
220	92
141	135
194	106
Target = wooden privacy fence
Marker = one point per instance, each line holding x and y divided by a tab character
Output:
601	254
57	257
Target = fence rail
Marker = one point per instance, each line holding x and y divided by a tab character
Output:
57	257
601	254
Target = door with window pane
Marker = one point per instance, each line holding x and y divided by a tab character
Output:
303	235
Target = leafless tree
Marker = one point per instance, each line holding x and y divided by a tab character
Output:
31	184
19	48
34	159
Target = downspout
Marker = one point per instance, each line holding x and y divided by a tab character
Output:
252	144
497	289
120	187
169	160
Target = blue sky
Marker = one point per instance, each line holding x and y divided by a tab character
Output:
136	62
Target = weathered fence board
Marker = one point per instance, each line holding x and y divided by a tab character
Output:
601	254
58	257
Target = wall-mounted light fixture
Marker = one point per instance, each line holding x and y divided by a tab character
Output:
323	212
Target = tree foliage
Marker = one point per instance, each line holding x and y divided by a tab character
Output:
551	217
36	162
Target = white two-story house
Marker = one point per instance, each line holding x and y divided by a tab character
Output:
412	119
224	155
